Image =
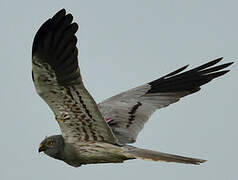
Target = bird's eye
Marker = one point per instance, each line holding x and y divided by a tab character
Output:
50	143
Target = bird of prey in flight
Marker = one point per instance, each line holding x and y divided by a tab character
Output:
101	133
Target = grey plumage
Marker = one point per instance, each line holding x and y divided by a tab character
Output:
100	133
53	146
130	110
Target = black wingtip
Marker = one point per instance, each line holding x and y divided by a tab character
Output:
55	44
176	71
56	26
38	42
61	12
191	80
230	63
206	65
218	59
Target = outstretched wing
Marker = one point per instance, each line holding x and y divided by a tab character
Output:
127	112
57	80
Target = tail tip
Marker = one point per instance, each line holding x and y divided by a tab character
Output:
199	161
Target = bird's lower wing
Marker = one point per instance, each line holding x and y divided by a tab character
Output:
57	80
129	111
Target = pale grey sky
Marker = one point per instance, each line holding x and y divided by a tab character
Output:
124	44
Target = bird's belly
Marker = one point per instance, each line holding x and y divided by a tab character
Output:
97	152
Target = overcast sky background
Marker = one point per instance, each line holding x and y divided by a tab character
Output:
124	44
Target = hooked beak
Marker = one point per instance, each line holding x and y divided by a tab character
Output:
41	148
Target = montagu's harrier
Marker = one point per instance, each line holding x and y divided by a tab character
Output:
100	133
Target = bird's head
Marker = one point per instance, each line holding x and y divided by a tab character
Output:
52	146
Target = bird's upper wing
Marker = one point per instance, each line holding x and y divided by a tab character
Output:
129	111
57	80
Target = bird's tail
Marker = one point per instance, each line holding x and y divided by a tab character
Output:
145	154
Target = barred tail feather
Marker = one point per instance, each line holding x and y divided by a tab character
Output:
159	156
